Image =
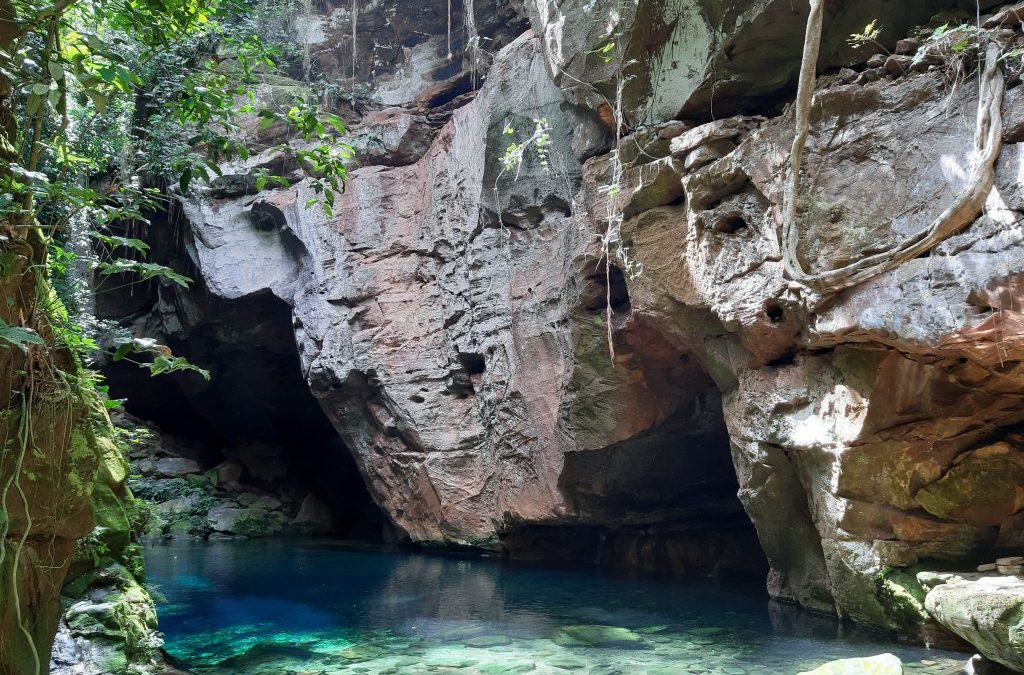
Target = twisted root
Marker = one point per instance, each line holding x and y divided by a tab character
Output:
961	213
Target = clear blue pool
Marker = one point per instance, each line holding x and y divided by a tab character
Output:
262	607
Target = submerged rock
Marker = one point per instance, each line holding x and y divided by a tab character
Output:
598	636
486	641
884	664
263	653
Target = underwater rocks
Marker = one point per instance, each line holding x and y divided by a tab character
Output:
885	664
611	637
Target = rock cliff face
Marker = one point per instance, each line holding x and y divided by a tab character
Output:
66	513
452	316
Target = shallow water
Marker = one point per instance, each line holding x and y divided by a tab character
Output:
317	607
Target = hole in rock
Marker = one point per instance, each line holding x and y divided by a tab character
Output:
773	310
473	363
267	217
451	91
257	411
595	297
731	223
785	359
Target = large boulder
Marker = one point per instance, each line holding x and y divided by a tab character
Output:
987	611
174	467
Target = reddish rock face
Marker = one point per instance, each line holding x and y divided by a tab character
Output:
453	315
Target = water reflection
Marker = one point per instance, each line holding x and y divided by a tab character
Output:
282	607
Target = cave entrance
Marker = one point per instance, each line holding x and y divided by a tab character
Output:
651	485
663	501
256	412
666	499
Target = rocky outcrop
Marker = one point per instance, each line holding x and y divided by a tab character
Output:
987	611
108	624
182	499
64	507
453	316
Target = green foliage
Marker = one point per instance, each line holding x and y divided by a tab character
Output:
19	336
539	142
868	36
612	36
164	489
93	547
948	39
324	156
142	516
162	361
127	94
144	271
249	525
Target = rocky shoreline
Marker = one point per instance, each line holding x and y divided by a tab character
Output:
184	499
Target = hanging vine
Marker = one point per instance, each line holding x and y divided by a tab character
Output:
962	212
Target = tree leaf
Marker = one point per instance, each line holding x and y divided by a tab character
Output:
19	336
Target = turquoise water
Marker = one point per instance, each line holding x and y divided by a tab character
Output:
262	607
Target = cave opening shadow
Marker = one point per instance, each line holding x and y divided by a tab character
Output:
663	502
256	410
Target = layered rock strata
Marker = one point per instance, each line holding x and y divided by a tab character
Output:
453	315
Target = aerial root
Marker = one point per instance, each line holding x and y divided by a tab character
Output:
961	213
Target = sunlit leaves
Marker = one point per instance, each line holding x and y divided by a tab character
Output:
18	336
144	271
162	359
114	242
324	156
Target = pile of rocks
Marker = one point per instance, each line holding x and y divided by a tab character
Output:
1010	566
187	500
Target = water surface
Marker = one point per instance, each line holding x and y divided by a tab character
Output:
261	607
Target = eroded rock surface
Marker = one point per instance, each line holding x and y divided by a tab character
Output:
987	611
453	317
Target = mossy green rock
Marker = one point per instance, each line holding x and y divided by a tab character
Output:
884	664
987	611
612	637
902	597
983	488
110	514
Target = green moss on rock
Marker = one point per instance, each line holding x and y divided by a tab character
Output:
902	598
981	488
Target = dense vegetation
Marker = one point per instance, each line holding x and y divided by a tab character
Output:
108	110
105	104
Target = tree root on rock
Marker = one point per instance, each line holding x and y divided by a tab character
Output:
961	213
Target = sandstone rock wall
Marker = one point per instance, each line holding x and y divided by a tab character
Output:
452	317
